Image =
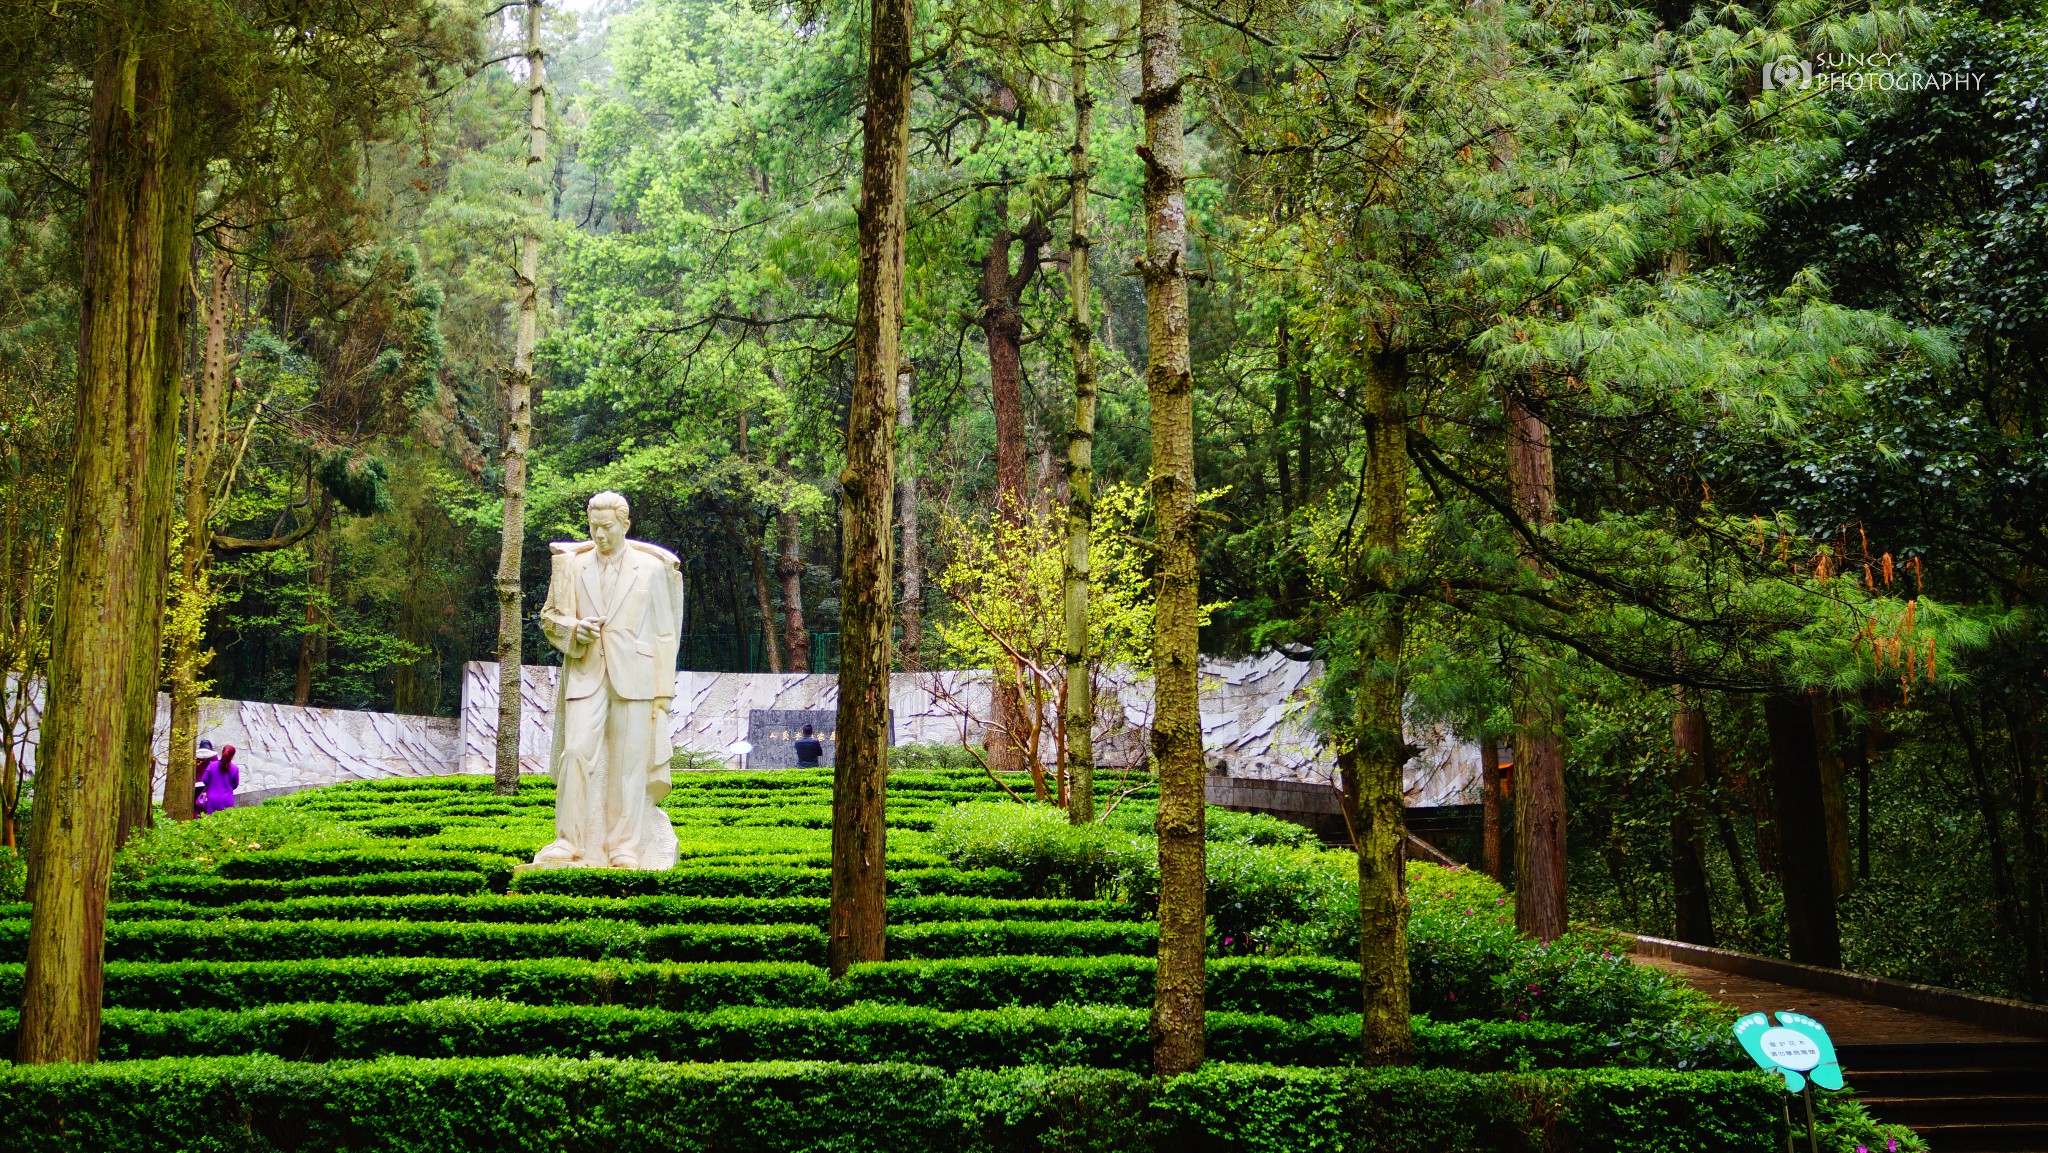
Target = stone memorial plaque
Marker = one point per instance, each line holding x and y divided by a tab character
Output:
774	733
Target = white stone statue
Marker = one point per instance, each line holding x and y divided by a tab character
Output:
615	609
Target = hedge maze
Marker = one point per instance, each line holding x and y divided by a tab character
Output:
384	979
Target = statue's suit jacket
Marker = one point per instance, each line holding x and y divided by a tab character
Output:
642	631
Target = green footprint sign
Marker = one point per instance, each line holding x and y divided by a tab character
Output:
1797	1047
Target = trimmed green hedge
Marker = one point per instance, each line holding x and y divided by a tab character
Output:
683	986
687	880
237	940
510	1105
292	866
1291	988
1091	1035
545	908
209	889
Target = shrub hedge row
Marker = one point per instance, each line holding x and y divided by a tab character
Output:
237	940
1292	988
510	1105
211	889
543	908
1092	1035
690	880
291	865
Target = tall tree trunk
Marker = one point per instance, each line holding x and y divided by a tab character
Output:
158	498
1283	420
1372	784
789	567
1489	807
1002	325
208	421
1539	715
912	565
131	209
1834	792
859	919
1305	430
519	418
1177	1005
1690	895
1080	465
1808	869
319	587
745	531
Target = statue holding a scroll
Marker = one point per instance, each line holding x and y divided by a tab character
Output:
615	610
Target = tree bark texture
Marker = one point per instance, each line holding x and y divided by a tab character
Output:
859	920
319	588
1803	854
911	565
1373	788
207	421
519	418
1002	325
789	568
1539	715
1177	1006
158	498
104	565
1080	463
1834	791
1489	808
1694	915
746	532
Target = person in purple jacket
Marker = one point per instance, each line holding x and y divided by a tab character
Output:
217	782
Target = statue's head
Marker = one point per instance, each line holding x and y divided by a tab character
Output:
609	520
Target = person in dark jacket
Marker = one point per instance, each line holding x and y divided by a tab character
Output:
808	750
218	780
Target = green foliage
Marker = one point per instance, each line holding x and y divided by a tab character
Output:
1095	1036
210	889
533	908
769	881
572	1106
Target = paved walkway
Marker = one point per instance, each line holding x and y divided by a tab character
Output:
1849	1021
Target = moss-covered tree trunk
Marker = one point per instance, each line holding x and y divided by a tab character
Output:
519	419
859	918
1080	465
131	200
158	498
1539	714
908	559
789	569
207	423
1372	784
1177	1004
